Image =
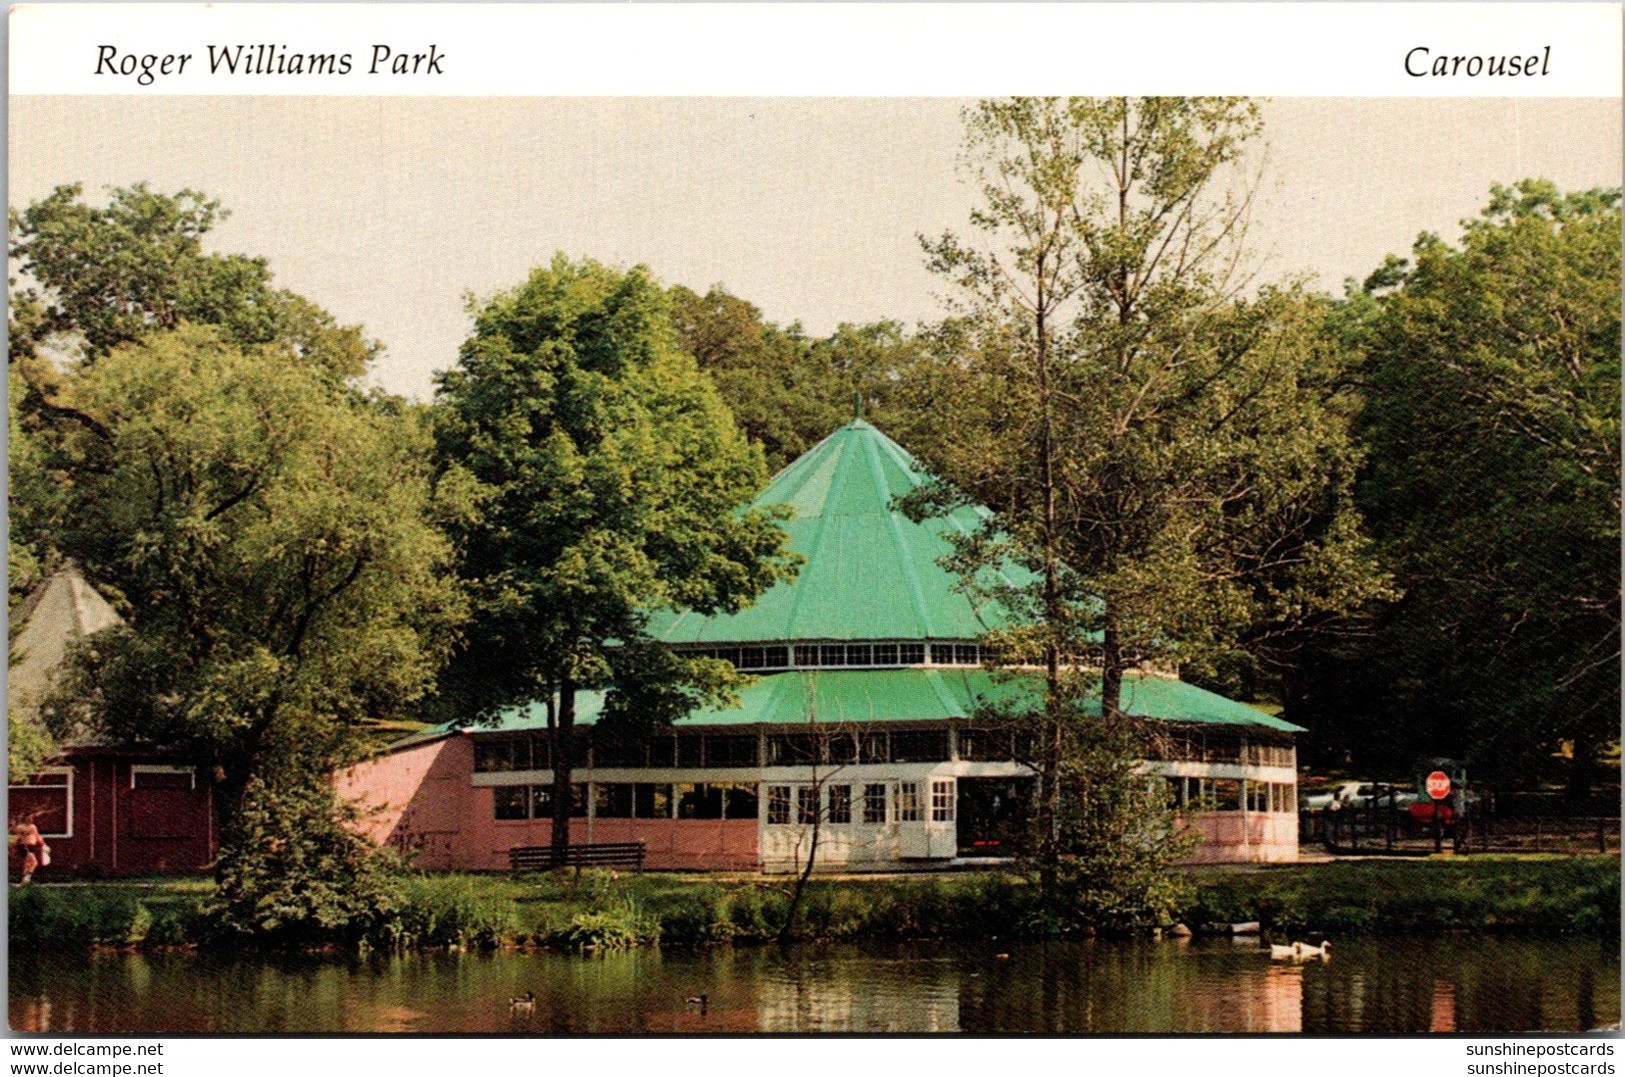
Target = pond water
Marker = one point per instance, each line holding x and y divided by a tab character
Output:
1450	984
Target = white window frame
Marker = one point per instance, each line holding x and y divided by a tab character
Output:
867	801
772	799
942	800
847	805
68	790
906	796
161	768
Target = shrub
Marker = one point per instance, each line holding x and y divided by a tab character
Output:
293	871
450	911
613	928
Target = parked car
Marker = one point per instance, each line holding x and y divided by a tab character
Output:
1359	795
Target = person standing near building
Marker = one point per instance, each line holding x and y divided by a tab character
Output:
30	844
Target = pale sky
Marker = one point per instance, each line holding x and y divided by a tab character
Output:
386	211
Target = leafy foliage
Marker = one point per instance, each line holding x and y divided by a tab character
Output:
609	476
1494	486
29	744
787	390
103	276
295	871
1169	461
270	536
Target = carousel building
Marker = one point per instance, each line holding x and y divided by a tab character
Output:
859	722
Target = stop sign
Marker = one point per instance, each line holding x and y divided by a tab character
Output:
1438	785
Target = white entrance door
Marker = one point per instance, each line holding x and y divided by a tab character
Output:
908	806
942	838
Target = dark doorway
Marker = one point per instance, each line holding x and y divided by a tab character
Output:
993	815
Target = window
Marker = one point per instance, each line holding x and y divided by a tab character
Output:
806	654
908	802
663	751
1176	791
874	748
1021	747
860	654
739	800
984	745
832	654
501	753
51	794
152	776
690	750
1269	755
841	748
1258	796
612	800
1281	797
778	804
1226	794
967	654
730	751
807	805
162	804
919	746
840	803
911	654
541	801
651	800
885	654
698	800
942	802
610	751
1221	749
874	802
1178	749
792	750
512	801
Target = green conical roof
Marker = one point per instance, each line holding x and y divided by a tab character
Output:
870	572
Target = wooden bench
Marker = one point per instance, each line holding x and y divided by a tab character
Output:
614	854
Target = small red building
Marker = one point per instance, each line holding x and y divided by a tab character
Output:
103	810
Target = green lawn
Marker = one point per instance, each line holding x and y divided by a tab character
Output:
1578	895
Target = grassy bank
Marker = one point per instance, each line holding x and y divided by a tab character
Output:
595	910
1559	894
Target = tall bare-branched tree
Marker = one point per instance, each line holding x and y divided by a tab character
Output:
1165	446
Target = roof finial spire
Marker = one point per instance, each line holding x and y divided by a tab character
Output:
857	404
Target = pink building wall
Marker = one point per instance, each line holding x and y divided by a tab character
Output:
1237	838
421	802
418	801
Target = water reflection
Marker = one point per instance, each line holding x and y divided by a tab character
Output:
1456	984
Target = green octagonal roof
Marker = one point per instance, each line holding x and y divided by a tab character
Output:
870	572
913	695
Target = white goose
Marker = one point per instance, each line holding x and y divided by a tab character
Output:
1299	951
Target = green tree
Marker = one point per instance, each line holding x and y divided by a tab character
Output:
88	279
1493	484
104	276
610	476
1169	460
780	396
298	872
788	390
270	537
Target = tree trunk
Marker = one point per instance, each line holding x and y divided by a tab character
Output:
1052	743
563	763
792	918
1111	671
